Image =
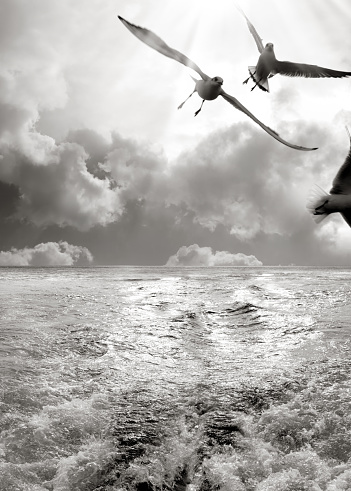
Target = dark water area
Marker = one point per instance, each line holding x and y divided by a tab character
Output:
193	379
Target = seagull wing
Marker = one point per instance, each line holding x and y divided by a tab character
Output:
253	31
156	43
342	180
234	102
309	71
347	217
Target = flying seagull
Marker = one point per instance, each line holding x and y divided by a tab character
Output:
321	204
208	88
268	65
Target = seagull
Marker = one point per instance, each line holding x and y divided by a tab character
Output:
207	88
321	204
268	65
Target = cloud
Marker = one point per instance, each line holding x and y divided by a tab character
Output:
41	74
48	254
61	191
203	256
137	168
239	178
82	182
334	237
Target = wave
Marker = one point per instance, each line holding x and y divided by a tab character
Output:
274	438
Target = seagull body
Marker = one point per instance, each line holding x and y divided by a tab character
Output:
263	70
268	65
321	204
208	88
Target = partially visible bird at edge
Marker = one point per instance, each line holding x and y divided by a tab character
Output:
268	65
207	88
321	204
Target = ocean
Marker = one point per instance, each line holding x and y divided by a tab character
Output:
184	379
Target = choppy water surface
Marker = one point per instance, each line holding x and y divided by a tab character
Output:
194	379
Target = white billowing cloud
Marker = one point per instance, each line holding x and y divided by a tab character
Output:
195	255
47	254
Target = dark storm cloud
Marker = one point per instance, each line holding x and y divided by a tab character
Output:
8	200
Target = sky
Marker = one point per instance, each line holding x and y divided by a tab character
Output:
98	166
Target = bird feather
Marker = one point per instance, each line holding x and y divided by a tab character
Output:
255	35
342	180
291	69
234	102
155	42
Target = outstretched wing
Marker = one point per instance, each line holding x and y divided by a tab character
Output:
347	217
234	102
253	31
309	71
342	180
156	43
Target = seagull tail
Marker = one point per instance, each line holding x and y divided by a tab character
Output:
262	84
315	202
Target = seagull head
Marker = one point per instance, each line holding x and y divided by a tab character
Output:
269	47
217	80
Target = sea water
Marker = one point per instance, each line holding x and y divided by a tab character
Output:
156	378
